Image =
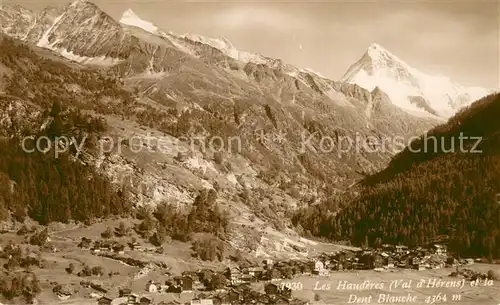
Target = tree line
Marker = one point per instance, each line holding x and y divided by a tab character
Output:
427	194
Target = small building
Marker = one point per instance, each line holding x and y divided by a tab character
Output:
401	249
318	267
145	301
388	261
439	249
271	289
246	278
231	297
268	263
414	261
204	275
388	247
151	287
256	272
202	302
119	248
85	243
104	301
234	275
187	284
173	289
132	298
63	296
124	292
371	260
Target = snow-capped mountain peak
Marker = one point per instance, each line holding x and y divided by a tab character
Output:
407	87
375	49
78	2
131	18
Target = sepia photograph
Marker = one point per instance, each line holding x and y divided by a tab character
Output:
249	152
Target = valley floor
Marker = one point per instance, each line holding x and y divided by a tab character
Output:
487	295
177	256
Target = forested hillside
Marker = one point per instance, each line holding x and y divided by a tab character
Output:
49	187
423	195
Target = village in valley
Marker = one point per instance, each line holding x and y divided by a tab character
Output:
235	284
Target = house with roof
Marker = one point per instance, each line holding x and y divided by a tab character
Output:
221	300
371	260
451	261
318	267
85	243
152	287
104	301
401	249
388	261
187	284
272	275
388	248
439	249
173	302
413	261
173	289
271	289
124	292
204	274
145	301
132	298
202	302
119	248
234	275
231	297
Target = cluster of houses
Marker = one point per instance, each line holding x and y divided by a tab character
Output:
229	286
237	295
390	256
108	245
232	285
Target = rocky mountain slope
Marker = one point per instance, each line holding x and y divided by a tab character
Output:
186	113
409	88
401	204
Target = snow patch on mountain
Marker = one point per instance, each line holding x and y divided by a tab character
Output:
45	43
100	61
380	68
77	2
130	18
178	43
223	45
307	70
44	40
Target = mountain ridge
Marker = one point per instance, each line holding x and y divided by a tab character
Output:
180	139
409	88
198	81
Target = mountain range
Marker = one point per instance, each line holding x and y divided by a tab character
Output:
189	89
62	30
